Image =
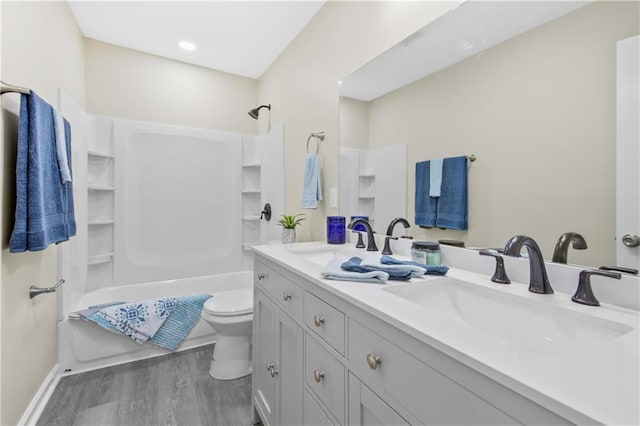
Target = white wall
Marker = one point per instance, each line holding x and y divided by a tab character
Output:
539	112
42	48
130	84
302	84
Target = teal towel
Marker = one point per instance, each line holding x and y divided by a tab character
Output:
335	272
312	186
44	203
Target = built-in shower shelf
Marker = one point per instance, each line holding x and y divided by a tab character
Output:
367	176
251	166
100	188
251	191
99	155
366	197
101	222
98	259
251	218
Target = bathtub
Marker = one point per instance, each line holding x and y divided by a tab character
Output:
85	346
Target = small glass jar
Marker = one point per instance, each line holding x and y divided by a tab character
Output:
336	233
426	252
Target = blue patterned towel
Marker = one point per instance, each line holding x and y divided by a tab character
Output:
355	265
431	269
175	327
139	320
335	272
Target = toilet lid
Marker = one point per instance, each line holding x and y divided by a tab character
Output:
230	303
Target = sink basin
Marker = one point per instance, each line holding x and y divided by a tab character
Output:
530	327
321	255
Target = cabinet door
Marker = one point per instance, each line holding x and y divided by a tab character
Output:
264	356
366	408
290	379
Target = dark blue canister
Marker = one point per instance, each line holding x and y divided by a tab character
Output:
336	233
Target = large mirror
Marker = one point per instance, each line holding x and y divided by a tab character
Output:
529	88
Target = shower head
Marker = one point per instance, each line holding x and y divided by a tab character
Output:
256	111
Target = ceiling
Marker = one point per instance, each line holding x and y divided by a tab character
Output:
238	37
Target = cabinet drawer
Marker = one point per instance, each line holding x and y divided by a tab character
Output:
325	320
284	291
423	391
313	414
325	377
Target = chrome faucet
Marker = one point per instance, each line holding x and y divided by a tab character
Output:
371	241
392	224
538	280
562	246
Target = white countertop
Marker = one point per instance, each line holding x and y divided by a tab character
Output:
598	385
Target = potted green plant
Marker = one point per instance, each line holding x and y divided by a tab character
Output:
289	223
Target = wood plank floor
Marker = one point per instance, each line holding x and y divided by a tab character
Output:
171	390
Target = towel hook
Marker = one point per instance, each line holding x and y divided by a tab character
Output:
319	136
36	291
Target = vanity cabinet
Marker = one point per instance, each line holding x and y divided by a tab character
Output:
277	370
320	359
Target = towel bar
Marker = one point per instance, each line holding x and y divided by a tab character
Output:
10	88
36	291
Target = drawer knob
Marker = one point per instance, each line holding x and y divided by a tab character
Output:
261	276
286	296
373	361
318	320
318	375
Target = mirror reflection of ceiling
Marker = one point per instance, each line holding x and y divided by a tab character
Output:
461	33
538	111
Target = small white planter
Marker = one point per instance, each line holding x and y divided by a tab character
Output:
288	236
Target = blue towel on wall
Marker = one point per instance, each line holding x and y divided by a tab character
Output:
430	269
175	328
435	177
355	265
335	272
452	204
312	187
426	206
44	204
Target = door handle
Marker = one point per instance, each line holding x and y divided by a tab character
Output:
631	240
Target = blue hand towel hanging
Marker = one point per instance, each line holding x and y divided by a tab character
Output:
426	206
452	204
44	203
312	187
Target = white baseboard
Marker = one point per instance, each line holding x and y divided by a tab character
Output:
36	406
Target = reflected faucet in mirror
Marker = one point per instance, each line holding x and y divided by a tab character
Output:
392	224
538	279
562	246
371	241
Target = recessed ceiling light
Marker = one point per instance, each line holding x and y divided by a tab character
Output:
187	45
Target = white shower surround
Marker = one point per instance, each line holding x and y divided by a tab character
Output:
178	222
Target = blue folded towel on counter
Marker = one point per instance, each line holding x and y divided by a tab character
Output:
355	265
430	269
177	319
312	186
335	272
44	203
416	271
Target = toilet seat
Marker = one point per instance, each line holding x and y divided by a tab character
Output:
230	303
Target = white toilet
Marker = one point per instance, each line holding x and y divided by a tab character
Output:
230	313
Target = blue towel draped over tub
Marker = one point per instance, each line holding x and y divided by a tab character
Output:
44	203
177	319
